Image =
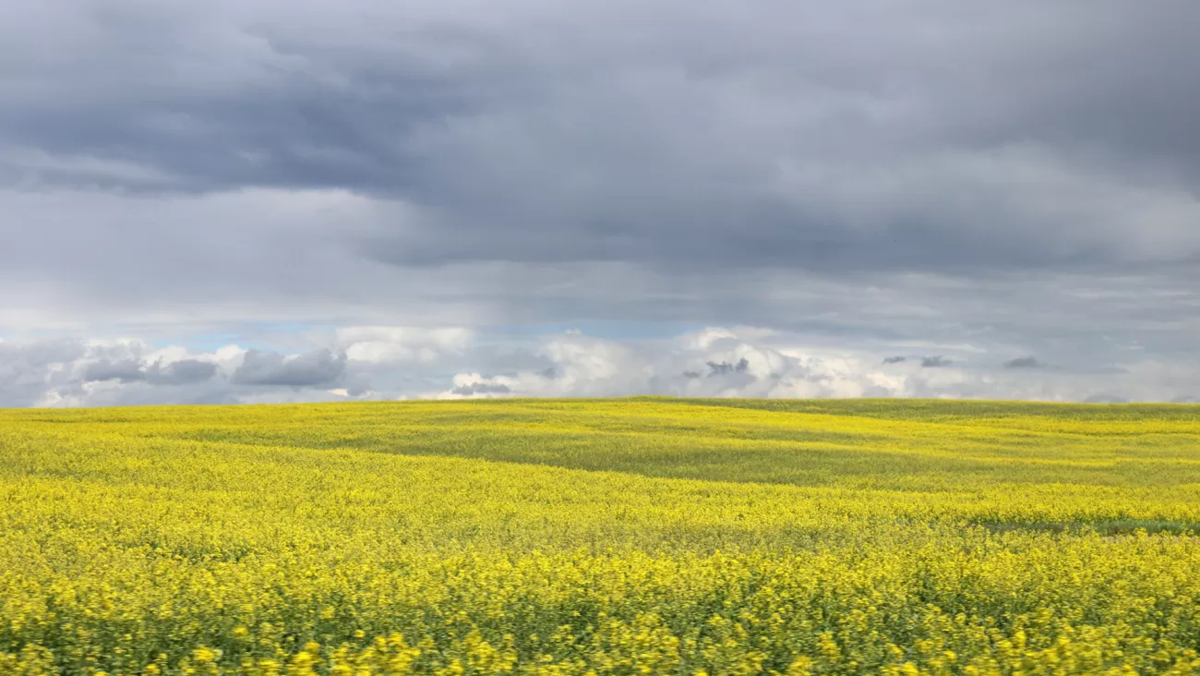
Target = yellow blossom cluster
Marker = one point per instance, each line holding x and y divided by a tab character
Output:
634	536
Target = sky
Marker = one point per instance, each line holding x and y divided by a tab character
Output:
256	201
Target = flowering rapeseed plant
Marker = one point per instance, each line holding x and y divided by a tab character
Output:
604	537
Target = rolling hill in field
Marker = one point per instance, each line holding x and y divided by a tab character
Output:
619	536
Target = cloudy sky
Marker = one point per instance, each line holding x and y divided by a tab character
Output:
300	200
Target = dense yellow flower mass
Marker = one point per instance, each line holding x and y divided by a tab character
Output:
634	536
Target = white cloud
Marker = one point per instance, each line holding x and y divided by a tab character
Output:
399	344
711	362
742	362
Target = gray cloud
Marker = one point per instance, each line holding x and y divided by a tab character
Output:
725	368
479	388
29	369
41	352
1020	179
894	360
935	362
182	372
1024	363
759	363
125	370
130	370
312	369
784	135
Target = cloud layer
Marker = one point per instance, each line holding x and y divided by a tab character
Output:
876	181
453	363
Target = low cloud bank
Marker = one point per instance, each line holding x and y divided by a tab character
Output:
456	363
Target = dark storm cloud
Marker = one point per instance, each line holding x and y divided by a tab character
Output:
312	369
675	135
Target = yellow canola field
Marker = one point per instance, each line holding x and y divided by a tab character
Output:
631	536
